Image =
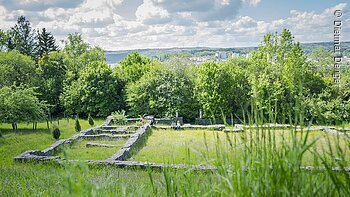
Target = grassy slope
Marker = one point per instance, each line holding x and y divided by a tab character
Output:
14	143
32	179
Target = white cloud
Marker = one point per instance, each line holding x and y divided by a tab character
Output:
165	23
252	2
202	10
148	13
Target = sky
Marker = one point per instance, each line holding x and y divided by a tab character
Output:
138	24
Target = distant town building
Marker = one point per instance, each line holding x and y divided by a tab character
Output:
221	56
346	60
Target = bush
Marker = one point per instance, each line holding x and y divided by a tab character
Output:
0	134
91	120
77	125
119	117
56	133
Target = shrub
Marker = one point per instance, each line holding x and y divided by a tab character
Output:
119	117
77	125
0	134
91	120
56	133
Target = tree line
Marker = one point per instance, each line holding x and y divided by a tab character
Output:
277	83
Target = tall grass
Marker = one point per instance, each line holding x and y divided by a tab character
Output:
260	162
270	166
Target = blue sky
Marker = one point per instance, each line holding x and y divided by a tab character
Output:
275	9
134	24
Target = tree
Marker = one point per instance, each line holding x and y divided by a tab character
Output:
75	45
16	69
281	78
71	98
22	37
134	66
213	89
162	92
20	104
52	71
56	133
3	40
77	126
322	61
97	91
77	55
46	43
90	120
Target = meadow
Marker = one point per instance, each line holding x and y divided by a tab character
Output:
248	164
203	146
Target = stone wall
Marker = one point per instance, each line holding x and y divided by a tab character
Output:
134	141
169	121
137	140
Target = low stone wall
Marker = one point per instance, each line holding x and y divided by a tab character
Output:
219	127
91	144
131	144
169	121
205	121
140	136
104	137
55	147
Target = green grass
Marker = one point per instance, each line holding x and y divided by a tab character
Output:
261	169
79	151
201	146
35	179
25	138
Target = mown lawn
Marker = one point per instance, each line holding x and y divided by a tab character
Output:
204	146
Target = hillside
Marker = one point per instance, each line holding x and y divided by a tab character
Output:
162	54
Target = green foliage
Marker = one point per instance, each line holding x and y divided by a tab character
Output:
90	120
162	92
119	117
322	61
52	72
77	55
97	91
134	66
281	77
75	46
3	40
46	43
16	69
77	126
22	37
19	104
56	133
70	98
213	88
